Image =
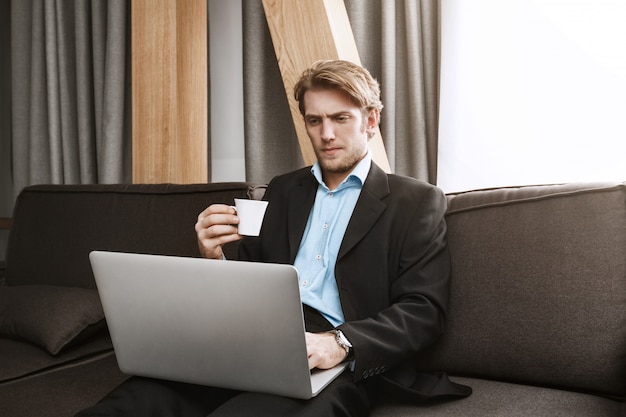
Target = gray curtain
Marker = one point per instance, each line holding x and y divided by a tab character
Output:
398	42
70	92
71	89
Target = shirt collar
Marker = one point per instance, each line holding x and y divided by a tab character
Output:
359	172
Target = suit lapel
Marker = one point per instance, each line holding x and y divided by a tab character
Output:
368	209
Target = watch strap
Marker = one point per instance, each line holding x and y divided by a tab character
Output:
344	343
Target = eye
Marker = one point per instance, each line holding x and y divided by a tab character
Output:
342	118
312	121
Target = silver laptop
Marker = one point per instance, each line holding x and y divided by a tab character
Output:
226	324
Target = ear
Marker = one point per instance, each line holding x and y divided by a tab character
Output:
373	118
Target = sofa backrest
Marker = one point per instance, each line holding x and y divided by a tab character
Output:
56	226
538	287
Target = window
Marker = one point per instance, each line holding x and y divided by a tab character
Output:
532	92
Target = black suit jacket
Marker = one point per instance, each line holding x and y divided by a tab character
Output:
392	270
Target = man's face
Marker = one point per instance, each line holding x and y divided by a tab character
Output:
338	130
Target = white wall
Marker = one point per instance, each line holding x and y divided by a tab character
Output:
226	91
532	91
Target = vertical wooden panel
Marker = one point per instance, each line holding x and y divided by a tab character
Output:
169	89
304	32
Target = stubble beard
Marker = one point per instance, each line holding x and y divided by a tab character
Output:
344	165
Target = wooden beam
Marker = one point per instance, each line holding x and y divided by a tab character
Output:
169	91
304	32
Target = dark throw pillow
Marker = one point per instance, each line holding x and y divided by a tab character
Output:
50	316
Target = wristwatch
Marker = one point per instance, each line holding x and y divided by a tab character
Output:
344	343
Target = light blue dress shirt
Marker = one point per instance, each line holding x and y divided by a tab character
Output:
322	238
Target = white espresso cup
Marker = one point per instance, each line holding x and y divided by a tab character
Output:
250	213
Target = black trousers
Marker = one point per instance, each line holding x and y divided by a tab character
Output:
145	397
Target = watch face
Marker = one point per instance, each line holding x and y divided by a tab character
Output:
341	338
340	341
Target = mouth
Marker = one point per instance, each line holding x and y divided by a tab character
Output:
330	151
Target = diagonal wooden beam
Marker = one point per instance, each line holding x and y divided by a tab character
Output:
304	32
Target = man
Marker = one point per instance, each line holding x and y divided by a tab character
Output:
370	247
371	253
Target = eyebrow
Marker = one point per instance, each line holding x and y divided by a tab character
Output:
339	113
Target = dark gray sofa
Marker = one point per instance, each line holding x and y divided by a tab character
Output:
537	321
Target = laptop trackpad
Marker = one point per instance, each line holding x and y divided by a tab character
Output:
320	378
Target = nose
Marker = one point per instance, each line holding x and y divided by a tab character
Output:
328	132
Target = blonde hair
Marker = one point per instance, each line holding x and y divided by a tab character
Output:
354	80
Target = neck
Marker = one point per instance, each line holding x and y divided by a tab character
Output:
333	179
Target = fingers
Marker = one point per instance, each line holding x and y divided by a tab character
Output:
218	214
216	225
323	350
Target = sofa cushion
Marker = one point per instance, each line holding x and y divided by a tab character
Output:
538	287
49	316
497	399
19	359
62	391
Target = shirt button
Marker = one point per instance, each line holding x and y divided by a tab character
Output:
318	257
325	226
305	283
330	195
